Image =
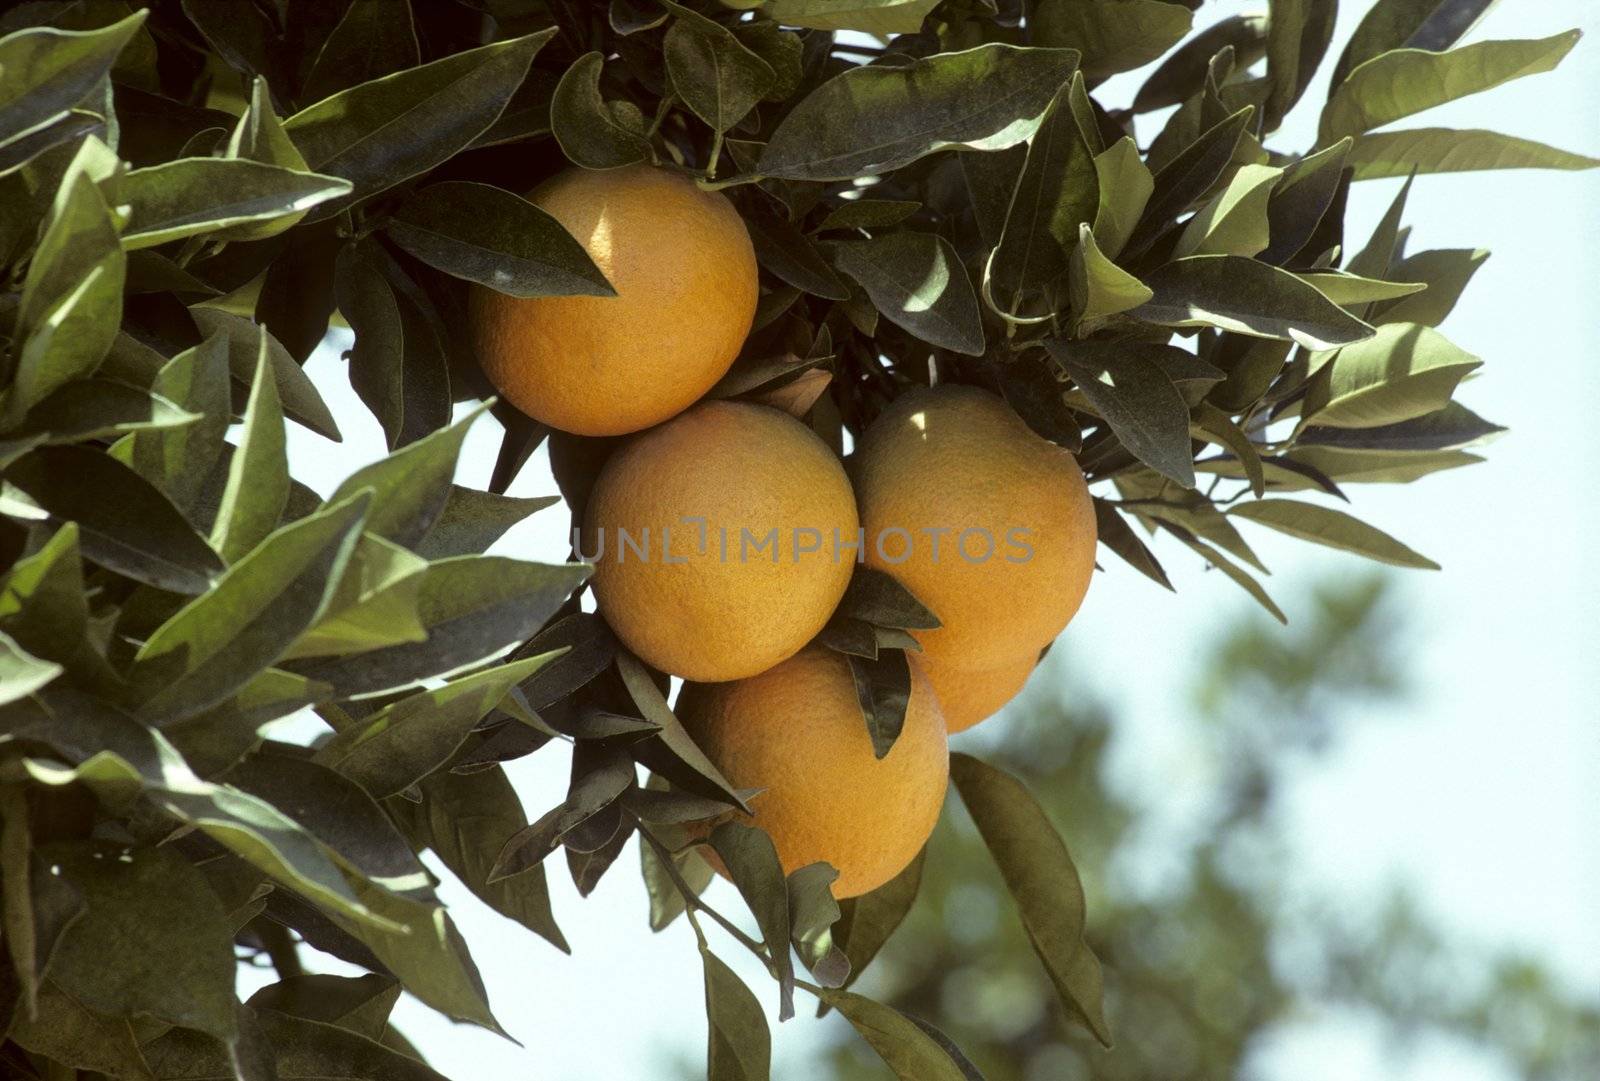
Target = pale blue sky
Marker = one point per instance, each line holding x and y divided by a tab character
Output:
1483	796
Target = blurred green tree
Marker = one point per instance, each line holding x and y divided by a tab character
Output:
1207	953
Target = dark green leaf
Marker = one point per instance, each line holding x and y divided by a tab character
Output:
301	400
44	72
1414	24
100	408
813	912
1042	880
474	609
866	922
360	1004
487	235
711	72
1247	297
1137	398
1125	189
1219	428
467	819
125	523
472	520
1057	191
883	691
70	1033
1189	176
674	738
305	1050
753	866
1298	34
374	603
206	652
44	605
190	196
1235	220
1184	72
407	740
411	486
738	1044
21	673
905	1048
1115	533
372	39
390	129
918	282
1336	529
1234	573
1112	35
593	132
785	251
869	214
1305	195
1450	428
258	474
878	598
882	17
1098	287
878	118
152	911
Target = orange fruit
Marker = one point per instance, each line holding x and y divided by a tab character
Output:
685	275
713	538
969	695
988	524
796	731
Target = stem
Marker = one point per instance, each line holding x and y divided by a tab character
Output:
731	182
716	154
280	948
692	902
661	115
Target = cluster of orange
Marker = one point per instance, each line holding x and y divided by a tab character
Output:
703	477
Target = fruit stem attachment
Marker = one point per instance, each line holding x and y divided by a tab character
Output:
731	182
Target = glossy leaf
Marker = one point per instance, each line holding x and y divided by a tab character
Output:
1416	24
1405	371
44	71
1138	400
1235	221
1448	150
487	235
876	119
752	864
918	282
411	486
1336	529
191	196
258	474
711	71
1111	35
1098	287
371	39
1247	297
1446	272
593	132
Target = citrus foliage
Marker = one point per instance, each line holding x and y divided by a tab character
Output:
187	196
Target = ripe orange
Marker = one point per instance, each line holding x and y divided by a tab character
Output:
796	732
969	695
685	274
988	524
746	572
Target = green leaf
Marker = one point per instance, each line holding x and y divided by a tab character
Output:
125	523
869	214
1451	150
1235	221
1446	272
151	910
71	298
1042	879
1098	287
1219	428
752	864
474	609
44	72
191	196
1125	189
372	39
407	740
378	370
883	691
918	282
484	234
738	1043
21	673
207	652
1450	428
44	605
1057	192
1405	371
180	461
880	17
1112	35
411	486
711	72
97	409
113	751
1115	533
875	119
1334	528
258	474
304	1050
1350	290
1404	82
360	1004
1136	397
259	136
653	707
472	520
813	912
903	1045
1302	199
1415	24
593	132
301	400
866	922
390	129
1184	72
1247	297
1188	177
374	603
876	597
1231	570
1298	34
467	819
789	254
68	1032
1378	467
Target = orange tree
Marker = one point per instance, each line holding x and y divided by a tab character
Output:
932	193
